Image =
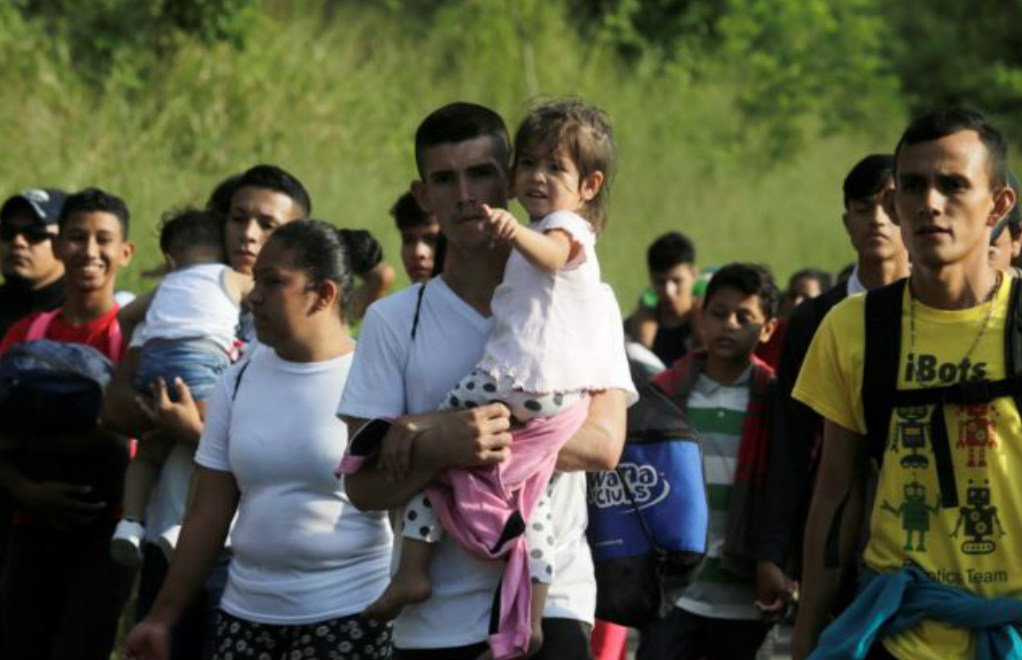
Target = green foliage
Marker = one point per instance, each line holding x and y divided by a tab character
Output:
961	53
738	131
125	40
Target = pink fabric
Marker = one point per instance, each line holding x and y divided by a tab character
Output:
474	505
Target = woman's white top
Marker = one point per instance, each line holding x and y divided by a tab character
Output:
193	303
553	332
302	552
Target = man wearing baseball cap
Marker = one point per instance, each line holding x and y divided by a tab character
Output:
33	276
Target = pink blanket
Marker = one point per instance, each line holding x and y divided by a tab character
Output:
475	505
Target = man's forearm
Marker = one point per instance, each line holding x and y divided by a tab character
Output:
598	444
838	499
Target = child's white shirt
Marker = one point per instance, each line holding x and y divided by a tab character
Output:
552	331
193	303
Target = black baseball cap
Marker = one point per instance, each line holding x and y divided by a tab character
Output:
44	203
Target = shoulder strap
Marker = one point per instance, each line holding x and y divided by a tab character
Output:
241	374
115	341
418	308
1013	341
37	329
881	362
415	329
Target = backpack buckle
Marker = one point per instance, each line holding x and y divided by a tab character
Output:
975	391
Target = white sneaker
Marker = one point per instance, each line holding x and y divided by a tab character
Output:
168	541
126	544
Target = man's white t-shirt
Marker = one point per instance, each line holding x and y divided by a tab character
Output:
392	375
302	552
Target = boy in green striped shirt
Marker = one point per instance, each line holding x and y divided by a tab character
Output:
724	391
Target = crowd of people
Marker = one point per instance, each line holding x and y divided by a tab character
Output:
860	433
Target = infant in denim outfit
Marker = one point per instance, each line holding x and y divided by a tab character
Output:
188	335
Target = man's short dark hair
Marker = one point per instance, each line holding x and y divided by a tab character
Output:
408	214
92	200
271	177
869	176
751	280
668	251
458	122
189	228
948	121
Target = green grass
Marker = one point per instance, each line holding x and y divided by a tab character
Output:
337	101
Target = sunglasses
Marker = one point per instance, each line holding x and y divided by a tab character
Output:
34	233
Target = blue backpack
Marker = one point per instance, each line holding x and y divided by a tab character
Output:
648	518
50	387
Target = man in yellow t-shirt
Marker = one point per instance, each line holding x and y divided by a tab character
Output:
950	189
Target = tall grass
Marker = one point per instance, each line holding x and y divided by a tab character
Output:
334	92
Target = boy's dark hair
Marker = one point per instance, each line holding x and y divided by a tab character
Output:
458	122
271	177
585	133
750	279
190	228
408	214
869	176
820	276
92	200
947	121
668	251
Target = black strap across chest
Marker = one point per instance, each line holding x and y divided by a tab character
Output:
880	393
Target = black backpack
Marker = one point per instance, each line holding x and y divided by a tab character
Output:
880	394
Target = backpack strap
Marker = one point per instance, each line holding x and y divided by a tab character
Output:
1013	341
37	329
418	308
881	361
115	339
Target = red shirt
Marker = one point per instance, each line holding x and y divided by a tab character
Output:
95	333
104	472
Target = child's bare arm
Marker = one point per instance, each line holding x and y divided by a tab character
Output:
548	251
238	285
134	313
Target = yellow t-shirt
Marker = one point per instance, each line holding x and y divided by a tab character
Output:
976	546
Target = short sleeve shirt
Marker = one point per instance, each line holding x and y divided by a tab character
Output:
976	546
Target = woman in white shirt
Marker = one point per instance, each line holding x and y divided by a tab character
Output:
306	562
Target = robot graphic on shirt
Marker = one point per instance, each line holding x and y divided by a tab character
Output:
976	433
915	514
910	431
979	519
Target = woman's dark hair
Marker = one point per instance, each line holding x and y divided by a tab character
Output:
325	252
219	202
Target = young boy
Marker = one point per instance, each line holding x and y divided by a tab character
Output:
419	235
189	335
65	591
724	392
664	324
